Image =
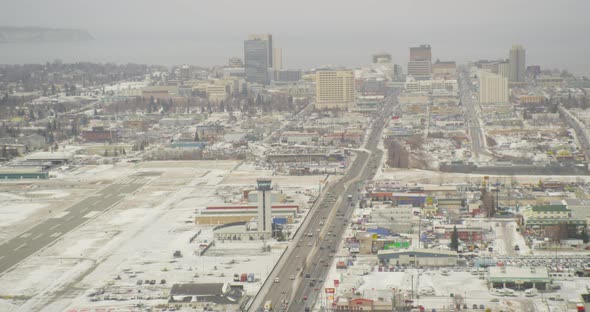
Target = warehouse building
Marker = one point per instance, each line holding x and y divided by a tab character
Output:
418	257
56	158
22	173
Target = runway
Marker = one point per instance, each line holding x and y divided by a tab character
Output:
19	248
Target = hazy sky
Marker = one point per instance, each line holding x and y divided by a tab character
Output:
315	32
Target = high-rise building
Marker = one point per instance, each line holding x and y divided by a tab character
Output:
493	88
517	63
335	89
264	187
268	39
256	61
277	58
502	68
235	62
382	58
421	53
419	69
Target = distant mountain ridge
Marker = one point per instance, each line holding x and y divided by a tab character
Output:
10	34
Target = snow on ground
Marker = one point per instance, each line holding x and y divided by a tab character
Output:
16	212
52	194
136	240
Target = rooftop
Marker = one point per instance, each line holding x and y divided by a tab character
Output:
550	208
516	273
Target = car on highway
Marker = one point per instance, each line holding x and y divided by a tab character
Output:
277	280
292	277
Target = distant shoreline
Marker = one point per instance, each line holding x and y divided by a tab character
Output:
9	34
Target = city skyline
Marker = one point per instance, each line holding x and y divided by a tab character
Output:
306	39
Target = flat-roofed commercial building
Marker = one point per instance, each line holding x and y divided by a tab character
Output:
419	257
518	278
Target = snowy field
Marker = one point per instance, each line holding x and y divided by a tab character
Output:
99	264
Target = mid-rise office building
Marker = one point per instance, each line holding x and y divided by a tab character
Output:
421	53
517	63
493	88
335	89
256	60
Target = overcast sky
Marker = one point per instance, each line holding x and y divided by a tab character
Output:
315	32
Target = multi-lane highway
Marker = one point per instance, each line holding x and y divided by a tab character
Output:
295	285
478	145
19	248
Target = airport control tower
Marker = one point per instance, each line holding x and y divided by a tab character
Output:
264	205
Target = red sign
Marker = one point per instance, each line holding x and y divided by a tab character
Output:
330	290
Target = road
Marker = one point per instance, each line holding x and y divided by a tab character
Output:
19	248
306	265
478	146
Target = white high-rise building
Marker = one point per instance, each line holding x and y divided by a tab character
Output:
264	187
493	89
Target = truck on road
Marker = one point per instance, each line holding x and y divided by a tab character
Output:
268	306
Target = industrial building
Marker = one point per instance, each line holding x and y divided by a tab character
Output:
418	257
22	173
56	158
